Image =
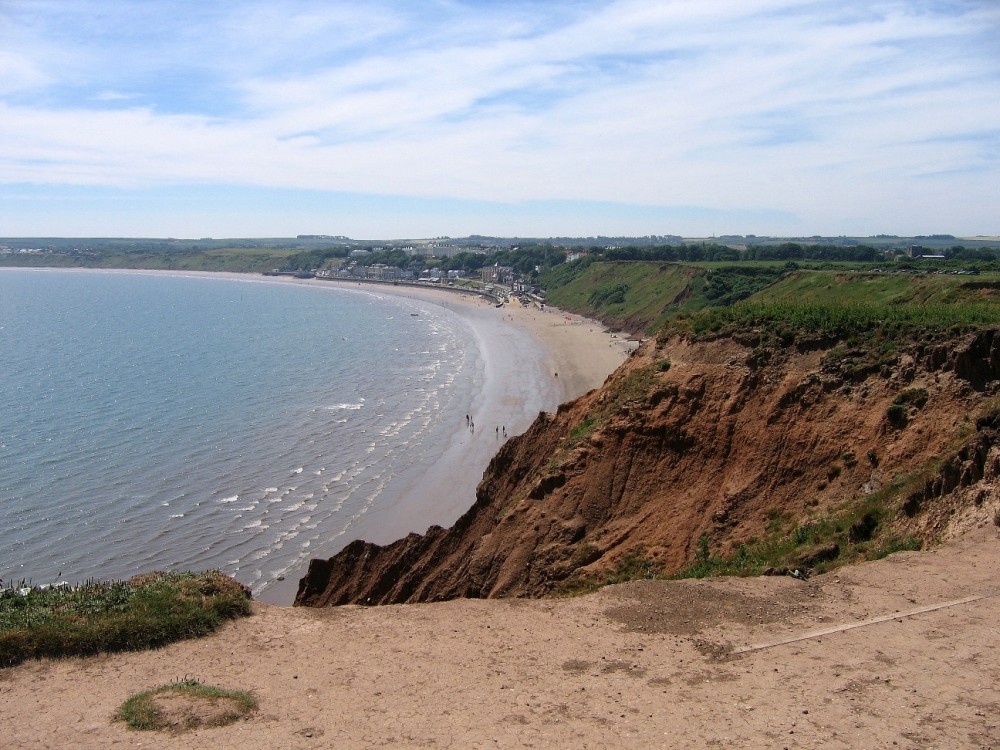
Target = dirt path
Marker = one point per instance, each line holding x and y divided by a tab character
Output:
637	666
898	653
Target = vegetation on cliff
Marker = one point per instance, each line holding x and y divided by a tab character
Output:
642	297
147	611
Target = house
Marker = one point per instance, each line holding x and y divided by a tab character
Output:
500	275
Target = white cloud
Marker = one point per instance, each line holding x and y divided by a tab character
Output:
18	73
828	110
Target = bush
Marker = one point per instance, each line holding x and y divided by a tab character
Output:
608	295
915	396
897	416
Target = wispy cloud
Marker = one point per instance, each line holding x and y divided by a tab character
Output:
825	116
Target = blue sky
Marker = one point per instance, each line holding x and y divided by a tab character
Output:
525	118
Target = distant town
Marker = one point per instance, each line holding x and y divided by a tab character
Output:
498	266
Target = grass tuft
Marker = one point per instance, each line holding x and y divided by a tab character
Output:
192	705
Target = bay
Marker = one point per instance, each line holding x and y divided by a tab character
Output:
164	422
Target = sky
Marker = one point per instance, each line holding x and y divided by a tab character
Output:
389	119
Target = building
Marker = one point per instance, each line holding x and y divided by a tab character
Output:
500	275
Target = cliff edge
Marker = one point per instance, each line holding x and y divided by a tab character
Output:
709	450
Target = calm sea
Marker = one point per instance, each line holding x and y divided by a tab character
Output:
157	422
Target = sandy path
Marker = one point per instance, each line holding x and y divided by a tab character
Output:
634	666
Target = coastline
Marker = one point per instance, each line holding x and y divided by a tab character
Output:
534	361
895	651
522	350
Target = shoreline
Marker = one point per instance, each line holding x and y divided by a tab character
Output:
534	361
521	350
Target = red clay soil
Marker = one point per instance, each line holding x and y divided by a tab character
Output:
721	443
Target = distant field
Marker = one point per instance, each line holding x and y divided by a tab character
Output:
238	260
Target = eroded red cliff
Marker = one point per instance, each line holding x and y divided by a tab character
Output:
711	440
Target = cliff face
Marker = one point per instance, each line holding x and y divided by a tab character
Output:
690	440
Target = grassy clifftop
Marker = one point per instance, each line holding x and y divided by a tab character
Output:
643	296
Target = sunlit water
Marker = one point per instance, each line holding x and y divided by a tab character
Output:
157	422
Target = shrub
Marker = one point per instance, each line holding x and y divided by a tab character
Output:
583	428
915	396
893	545
608	295
897	416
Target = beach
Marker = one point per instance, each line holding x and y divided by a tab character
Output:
533	360
532	356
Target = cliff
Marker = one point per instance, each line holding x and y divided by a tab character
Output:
708	449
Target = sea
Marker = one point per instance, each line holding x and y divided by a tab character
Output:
171	422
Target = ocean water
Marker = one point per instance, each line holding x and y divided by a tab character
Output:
162	422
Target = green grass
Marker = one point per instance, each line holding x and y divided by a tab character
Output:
784	322
879	289
146	612
643	296
222	707
582	429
